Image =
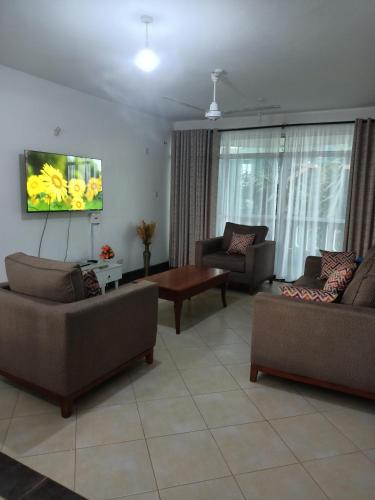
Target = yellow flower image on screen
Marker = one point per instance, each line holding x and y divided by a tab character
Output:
62	183
95	185
34	185
54	183
78	204
76	187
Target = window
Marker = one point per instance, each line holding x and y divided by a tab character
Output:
294	180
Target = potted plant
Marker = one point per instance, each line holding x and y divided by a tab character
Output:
146	231
106	253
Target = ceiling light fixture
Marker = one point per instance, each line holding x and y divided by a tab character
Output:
146	59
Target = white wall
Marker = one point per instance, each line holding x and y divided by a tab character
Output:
30	109
332	115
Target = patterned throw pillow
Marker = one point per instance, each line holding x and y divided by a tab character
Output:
308	294
339	279
91	283
332	260
239	243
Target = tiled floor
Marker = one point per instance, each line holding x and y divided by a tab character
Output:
192	426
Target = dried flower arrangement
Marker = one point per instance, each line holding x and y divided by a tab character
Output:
146	231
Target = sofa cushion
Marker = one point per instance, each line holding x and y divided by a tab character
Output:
240	243
221	259
361	290
310	282
230	228
333	260
308	294
339	279
45	278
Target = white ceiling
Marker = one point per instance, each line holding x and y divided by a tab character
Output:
301	54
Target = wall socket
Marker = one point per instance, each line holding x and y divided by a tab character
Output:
95	218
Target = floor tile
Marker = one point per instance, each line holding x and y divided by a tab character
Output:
8	399
221	336
241	373
57	466
283	483
113	392
192	357
277	403
158	384
186	458
170	416
30	404
184	339
251	447
4	424
326	400
153	495
370	454
346	477
114	470
110	424
39	434
233	353
227	408
208	379
312	436
216	489
19	479
359	426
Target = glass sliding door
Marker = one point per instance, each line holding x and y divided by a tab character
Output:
313	186
248	176
298	190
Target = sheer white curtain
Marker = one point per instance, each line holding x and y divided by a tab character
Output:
248	176
313	187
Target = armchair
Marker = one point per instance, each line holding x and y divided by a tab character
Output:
250	269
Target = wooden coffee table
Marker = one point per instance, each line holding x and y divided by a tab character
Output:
184	282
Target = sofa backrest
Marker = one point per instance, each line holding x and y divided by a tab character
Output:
45	278
230	228
361	290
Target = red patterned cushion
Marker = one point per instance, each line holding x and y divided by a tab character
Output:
91	283
239	243
339	279
308	294
332	260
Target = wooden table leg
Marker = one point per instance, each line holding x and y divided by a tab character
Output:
223	294
177	315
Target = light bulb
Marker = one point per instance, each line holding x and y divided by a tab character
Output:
146	60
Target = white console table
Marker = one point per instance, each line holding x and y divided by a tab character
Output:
106	272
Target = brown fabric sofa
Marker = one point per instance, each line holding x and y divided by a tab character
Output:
249	270
329	345
63	349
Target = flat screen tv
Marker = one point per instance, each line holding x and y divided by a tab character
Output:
62	183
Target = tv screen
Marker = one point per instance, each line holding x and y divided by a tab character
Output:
62	183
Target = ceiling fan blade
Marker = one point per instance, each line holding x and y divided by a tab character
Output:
183	103
253	109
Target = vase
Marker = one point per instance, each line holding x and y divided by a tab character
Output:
146	258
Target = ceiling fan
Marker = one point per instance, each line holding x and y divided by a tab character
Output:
214	113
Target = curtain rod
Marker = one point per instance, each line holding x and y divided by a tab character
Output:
285	125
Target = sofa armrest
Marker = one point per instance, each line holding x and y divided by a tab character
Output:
204	247
312	266
260	260
328	342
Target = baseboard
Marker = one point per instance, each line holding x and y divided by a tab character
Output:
140	273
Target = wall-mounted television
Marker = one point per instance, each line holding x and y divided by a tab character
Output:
62	183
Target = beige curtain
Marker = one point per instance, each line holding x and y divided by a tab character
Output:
360	216
194	172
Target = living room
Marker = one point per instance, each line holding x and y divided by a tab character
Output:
187	252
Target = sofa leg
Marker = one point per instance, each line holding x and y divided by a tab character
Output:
66	406
253	373
270	280
150	357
